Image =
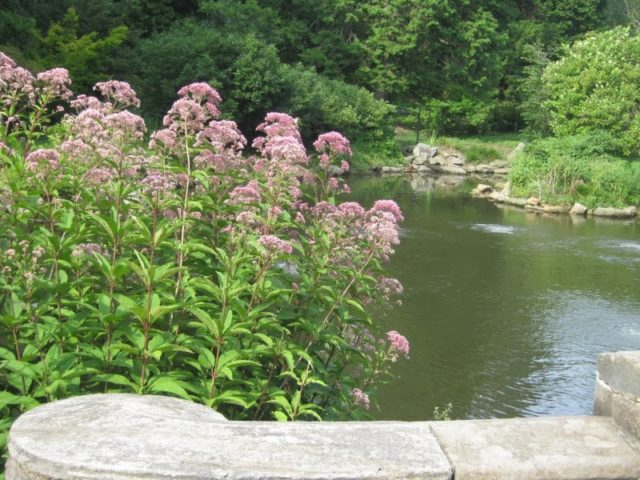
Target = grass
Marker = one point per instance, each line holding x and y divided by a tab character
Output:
476	149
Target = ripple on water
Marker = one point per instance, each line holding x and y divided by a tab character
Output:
630	246
494	228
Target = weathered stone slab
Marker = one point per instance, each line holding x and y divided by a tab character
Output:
517	202
628	212
560	448
621	372
125	437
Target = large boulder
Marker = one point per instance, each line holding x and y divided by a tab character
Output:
578	209
422	150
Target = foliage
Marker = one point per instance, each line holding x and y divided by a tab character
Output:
469	62
253	81
596	85
588	168
84	54
183	267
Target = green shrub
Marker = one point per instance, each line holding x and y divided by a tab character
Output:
596	85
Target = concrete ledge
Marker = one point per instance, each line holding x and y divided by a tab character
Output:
127	437
620	371
561	448
120	437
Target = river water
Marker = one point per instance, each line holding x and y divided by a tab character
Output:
505	310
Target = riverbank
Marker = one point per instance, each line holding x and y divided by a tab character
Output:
535	204
588	170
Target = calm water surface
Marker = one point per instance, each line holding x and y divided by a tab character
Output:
505	311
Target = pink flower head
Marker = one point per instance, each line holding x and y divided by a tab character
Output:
15	80
275	245
389	286
288	149
388	206
120	93
333	142
360	398
43	160
6	61
99	176
157	182
165	138
249	193
200	91
222	135
88	249
279	125
82	102
56	83
125	125
351	210
398	343
185	114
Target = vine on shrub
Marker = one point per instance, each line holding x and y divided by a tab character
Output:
185	266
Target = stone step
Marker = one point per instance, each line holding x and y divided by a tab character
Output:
547	448
126	437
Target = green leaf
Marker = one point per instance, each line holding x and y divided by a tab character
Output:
168	385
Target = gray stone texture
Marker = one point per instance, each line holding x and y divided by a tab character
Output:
120	437
578	209
628	212
621	371
560	448
617	391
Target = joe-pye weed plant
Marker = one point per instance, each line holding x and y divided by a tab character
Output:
177	263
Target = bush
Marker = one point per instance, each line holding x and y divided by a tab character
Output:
183	268
596	85
587	168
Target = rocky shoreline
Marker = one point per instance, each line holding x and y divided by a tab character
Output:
447	164
428	159
534	204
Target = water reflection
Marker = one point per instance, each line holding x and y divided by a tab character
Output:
505	310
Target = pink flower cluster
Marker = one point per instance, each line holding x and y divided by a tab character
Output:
82	102
223	135
389	286
56	83
275	245
87	249
15	82
125	124
198	103
43	161
282	142
119	93
99	176
360	398
398	343
249	193
333	143
158	182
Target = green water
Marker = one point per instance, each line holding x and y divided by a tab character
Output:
505	311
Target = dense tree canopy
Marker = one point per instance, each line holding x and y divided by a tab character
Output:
474	65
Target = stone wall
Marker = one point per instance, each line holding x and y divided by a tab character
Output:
120	436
